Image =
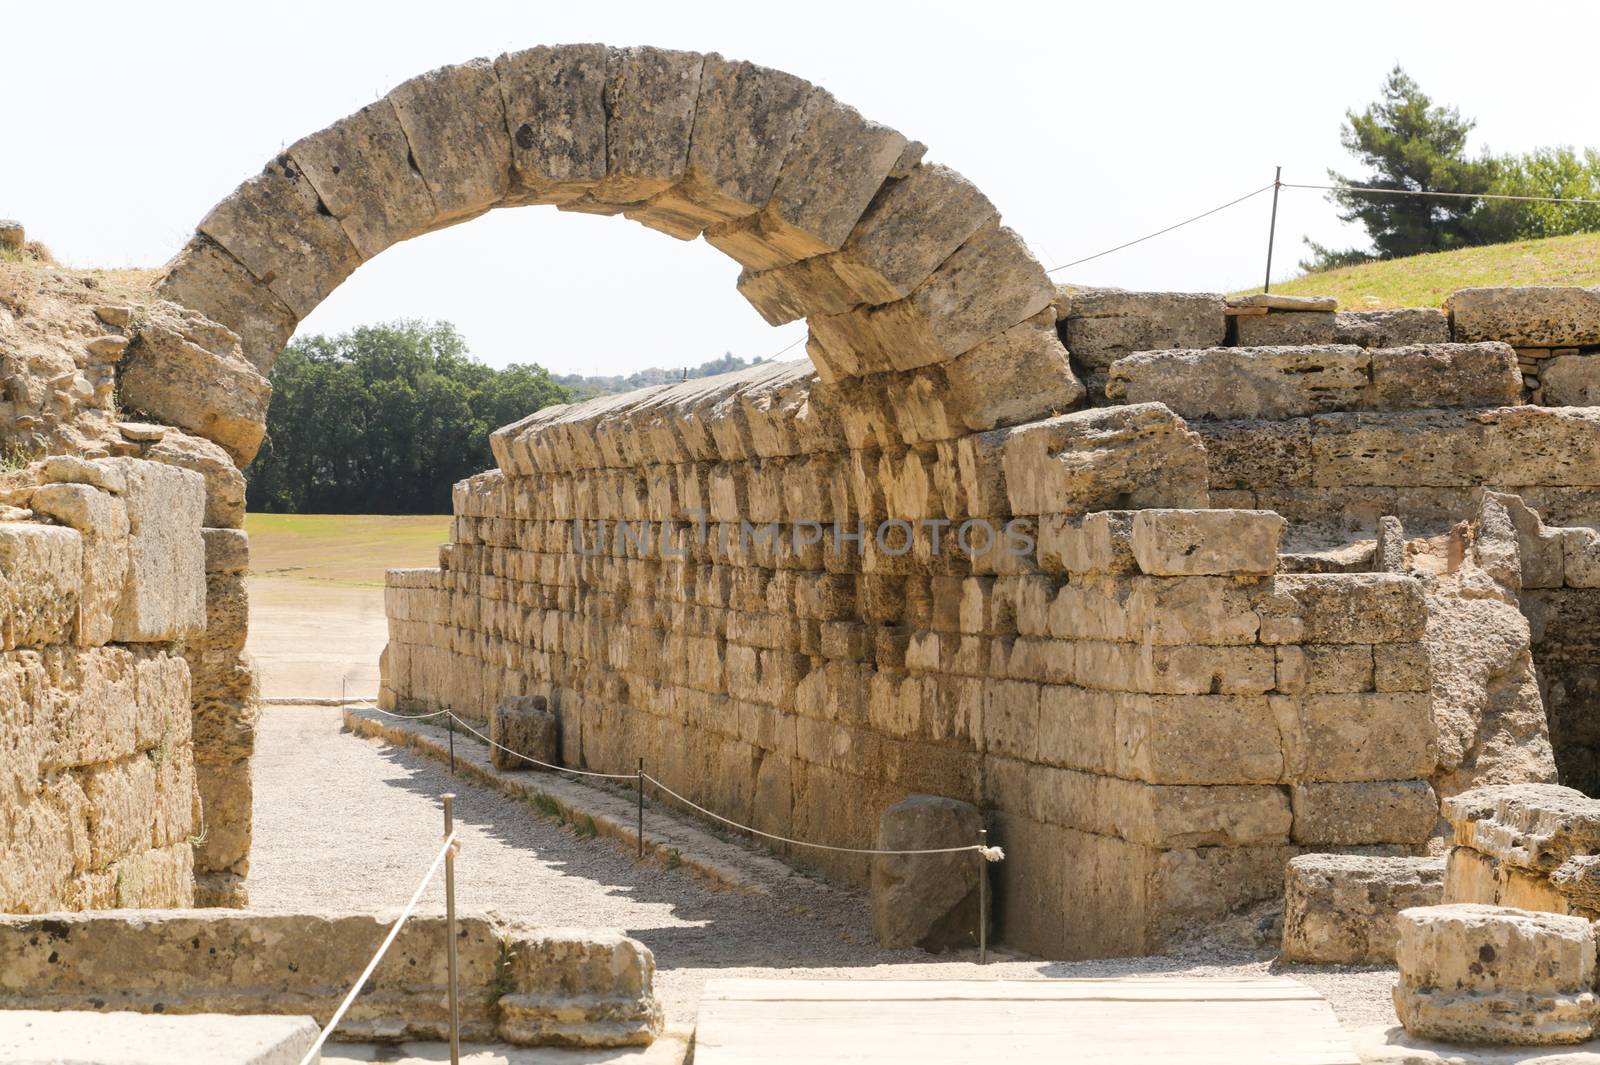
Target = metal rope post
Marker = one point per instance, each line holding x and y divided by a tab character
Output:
450	726
983	897
450	926
641	808
1272	230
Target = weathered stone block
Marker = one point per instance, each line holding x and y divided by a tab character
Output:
1202	542
555	110
1571	381
41	581
1340	909
1350	814
102	520
1244	382
455	123
1102	325
1489	974
1356	736
186	370
205	278
1367	608
650	101
527	726
1284	328
1445	375
1527	317
164	597
927	900
1391	328
224	483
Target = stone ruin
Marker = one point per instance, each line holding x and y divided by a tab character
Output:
1262	578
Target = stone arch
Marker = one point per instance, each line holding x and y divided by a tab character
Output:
911	287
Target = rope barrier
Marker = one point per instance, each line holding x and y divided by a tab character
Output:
1445	195
1159	232
366	974
992	854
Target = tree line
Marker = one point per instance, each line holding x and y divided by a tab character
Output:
385	418
1412	144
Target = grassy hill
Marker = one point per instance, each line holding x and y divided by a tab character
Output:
1426	280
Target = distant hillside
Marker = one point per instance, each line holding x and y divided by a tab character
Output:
1426	280
585	387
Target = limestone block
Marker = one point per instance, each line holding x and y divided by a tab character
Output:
833	169
1101	542
1490	974
102	520
1529	826
1222	739
1366	608
745	120
121	803
455	122
1118	457
1281	328
1571	381
1340	909
650	98
41	579
927	900
360	167
991	283
555	110
186	370
1342	814
1018	376
164	597
1445	375
277	227
1505	446
226	804
526	725
1318	668
1244	382
1250	453
1200	542
1102	325
205	278
227	550
1530	317
1356	736
223	480
1391	328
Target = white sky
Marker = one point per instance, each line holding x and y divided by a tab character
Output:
1088	125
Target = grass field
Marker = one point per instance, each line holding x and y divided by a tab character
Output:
1426	280
351	550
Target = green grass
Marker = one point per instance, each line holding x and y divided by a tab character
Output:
345	549
1427	280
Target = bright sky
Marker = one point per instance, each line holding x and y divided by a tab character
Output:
1088	125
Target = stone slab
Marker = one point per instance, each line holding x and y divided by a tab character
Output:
74	1037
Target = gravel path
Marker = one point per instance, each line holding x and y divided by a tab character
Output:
346	823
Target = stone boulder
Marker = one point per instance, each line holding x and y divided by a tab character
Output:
1340	909
185	369
1492	974
1527	317
927	900
526	725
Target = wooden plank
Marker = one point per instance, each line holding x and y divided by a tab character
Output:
1134	1021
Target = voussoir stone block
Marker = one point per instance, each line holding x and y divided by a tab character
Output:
650	99
1491	974
1200	542
745	120
205	278
555	110
361	169
455	122
1340	909
927	900
834	168
524	725
1526	317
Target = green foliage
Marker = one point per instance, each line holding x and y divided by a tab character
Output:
583	387
1414	145
384	419
1411	144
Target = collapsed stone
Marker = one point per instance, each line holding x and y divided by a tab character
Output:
929	901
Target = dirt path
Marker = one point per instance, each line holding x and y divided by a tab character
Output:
350	823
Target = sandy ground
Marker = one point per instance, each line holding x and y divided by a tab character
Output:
351	823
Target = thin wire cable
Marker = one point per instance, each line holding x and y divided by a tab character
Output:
416	896
1159	232
991	853
535	761
1446	195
